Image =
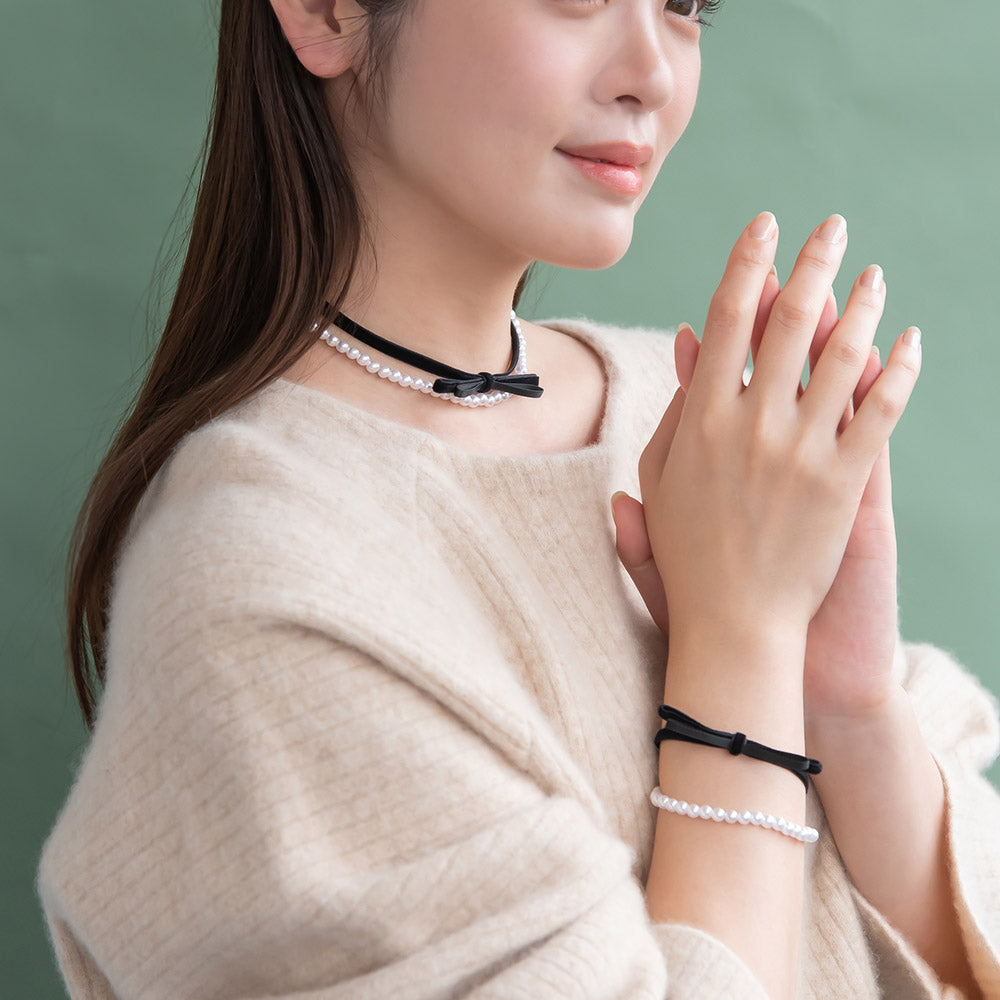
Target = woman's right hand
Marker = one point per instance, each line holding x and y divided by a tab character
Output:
750	491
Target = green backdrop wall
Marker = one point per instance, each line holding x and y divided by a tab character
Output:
887	113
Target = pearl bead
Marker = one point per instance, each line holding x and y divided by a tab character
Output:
395	376
372	366
779	824
384	372
364	360
343	348
406	381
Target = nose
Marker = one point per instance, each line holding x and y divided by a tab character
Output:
637	65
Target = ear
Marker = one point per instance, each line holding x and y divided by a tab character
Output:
324	34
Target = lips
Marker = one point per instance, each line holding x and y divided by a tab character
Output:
622	154
603	165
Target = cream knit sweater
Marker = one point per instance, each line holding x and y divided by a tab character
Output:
378	724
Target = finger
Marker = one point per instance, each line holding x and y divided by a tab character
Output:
872	371
796	313
827	321
632	544
844	359
878	490
654	455
771	288
686	348
725	343
885	400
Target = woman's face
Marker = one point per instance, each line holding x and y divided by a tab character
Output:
487	100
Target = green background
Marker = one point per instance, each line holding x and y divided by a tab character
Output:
885	112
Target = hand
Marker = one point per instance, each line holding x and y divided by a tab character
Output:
631	537
851	639
808	475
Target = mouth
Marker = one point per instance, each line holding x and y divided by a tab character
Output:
614	173
618	154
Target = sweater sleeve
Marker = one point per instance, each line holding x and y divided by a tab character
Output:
958	718
266	811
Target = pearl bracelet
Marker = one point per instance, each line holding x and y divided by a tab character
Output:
803	834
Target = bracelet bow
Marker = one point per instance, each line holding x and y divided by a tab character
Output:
678	726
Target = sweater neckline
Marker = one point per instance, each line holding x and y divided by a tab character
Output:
364	422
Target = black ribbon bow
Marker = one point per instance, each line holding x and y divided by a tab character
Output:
678	726
516	385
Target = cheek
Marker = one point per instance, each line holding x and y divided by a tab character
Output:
676	115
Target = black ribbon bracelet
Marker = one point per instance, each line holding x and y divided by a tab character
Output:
678	726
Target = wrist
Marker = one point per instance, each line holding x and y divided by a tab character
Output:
754	651
745	680
882	708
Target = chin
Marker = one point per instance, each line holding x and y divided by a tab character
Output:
592	256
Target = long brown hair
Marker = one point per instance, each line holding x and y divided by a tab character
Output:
275	232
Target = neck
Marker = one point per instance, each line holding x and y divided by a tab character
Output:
464	324
433	285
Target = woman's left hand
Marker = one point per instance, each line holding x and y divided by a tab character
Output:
852	637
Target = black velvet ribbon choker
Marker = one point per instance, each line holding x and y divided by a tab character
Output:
678	726
450	380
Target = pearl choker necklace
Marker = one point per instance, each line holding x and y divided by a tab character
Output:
454	385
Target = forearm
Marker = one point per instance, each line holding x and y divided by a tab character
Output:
884	800
742	884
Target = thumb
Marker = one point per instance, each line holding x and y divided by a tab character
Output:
632	544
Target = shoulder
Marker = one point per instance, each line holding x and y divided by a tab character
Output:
639	367
956	713
258	508
649	343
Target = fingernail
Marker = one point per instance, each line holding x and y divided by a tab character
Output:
773	271
684	326
616	495
912	338
833	230
872	277
875	353
763	227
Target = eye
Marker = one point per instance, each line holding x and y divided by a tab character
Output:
693	9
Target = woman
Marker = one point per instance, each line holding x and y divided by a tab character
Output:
378	701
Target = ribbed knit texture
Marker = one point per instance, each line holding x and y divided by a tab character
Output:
378	724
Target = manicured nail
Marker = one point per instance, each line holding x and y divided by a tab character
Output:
912	338
773	271
875	353
764	226
872	278
834	230
684	326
